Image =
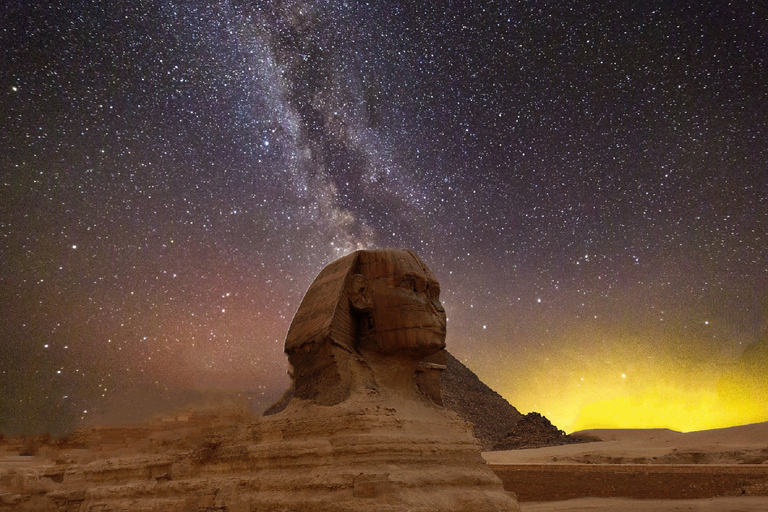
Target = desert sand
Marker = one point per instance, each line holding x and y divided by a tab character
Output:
747	444
679	461
740	504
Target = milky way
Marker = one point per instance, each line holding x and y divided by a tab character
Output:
587	180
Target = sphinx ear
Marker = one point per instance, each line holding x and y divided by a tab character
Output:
357	288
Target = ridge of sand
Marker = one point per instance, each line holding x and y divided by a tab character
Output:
754	434
746	444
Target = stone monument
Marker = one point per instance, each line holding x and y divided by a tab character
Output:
363	429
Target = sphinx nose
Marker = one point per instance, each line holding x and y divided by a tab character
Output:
434	304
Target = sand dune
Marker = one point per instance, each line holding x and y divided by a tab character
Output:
755	434
747	444
685	464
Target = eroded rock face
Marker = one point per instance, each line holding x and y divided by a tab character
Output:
363	429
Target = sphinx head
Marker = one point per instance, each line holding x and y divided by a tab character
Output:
401	313
363	313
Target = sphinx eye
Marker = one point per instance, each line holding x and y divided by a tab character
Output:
408	284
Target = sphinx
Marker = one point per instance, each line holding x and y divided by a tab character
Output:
361	428
363	415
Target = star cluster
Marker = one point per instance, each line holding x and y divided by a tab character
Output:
588	181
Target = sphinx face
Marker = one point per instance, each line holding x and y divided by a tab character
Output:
407	316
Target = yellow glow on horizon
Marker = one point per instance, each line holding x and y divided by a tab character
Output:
650	404
663	406
598	381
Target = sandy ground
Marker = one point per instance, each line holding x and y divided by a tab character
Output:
719	448
747	444
739	504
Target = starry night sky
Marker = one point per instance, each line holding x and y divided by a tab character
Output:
587	180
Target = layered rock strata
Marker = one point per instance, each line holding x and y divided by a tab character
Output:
369	453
